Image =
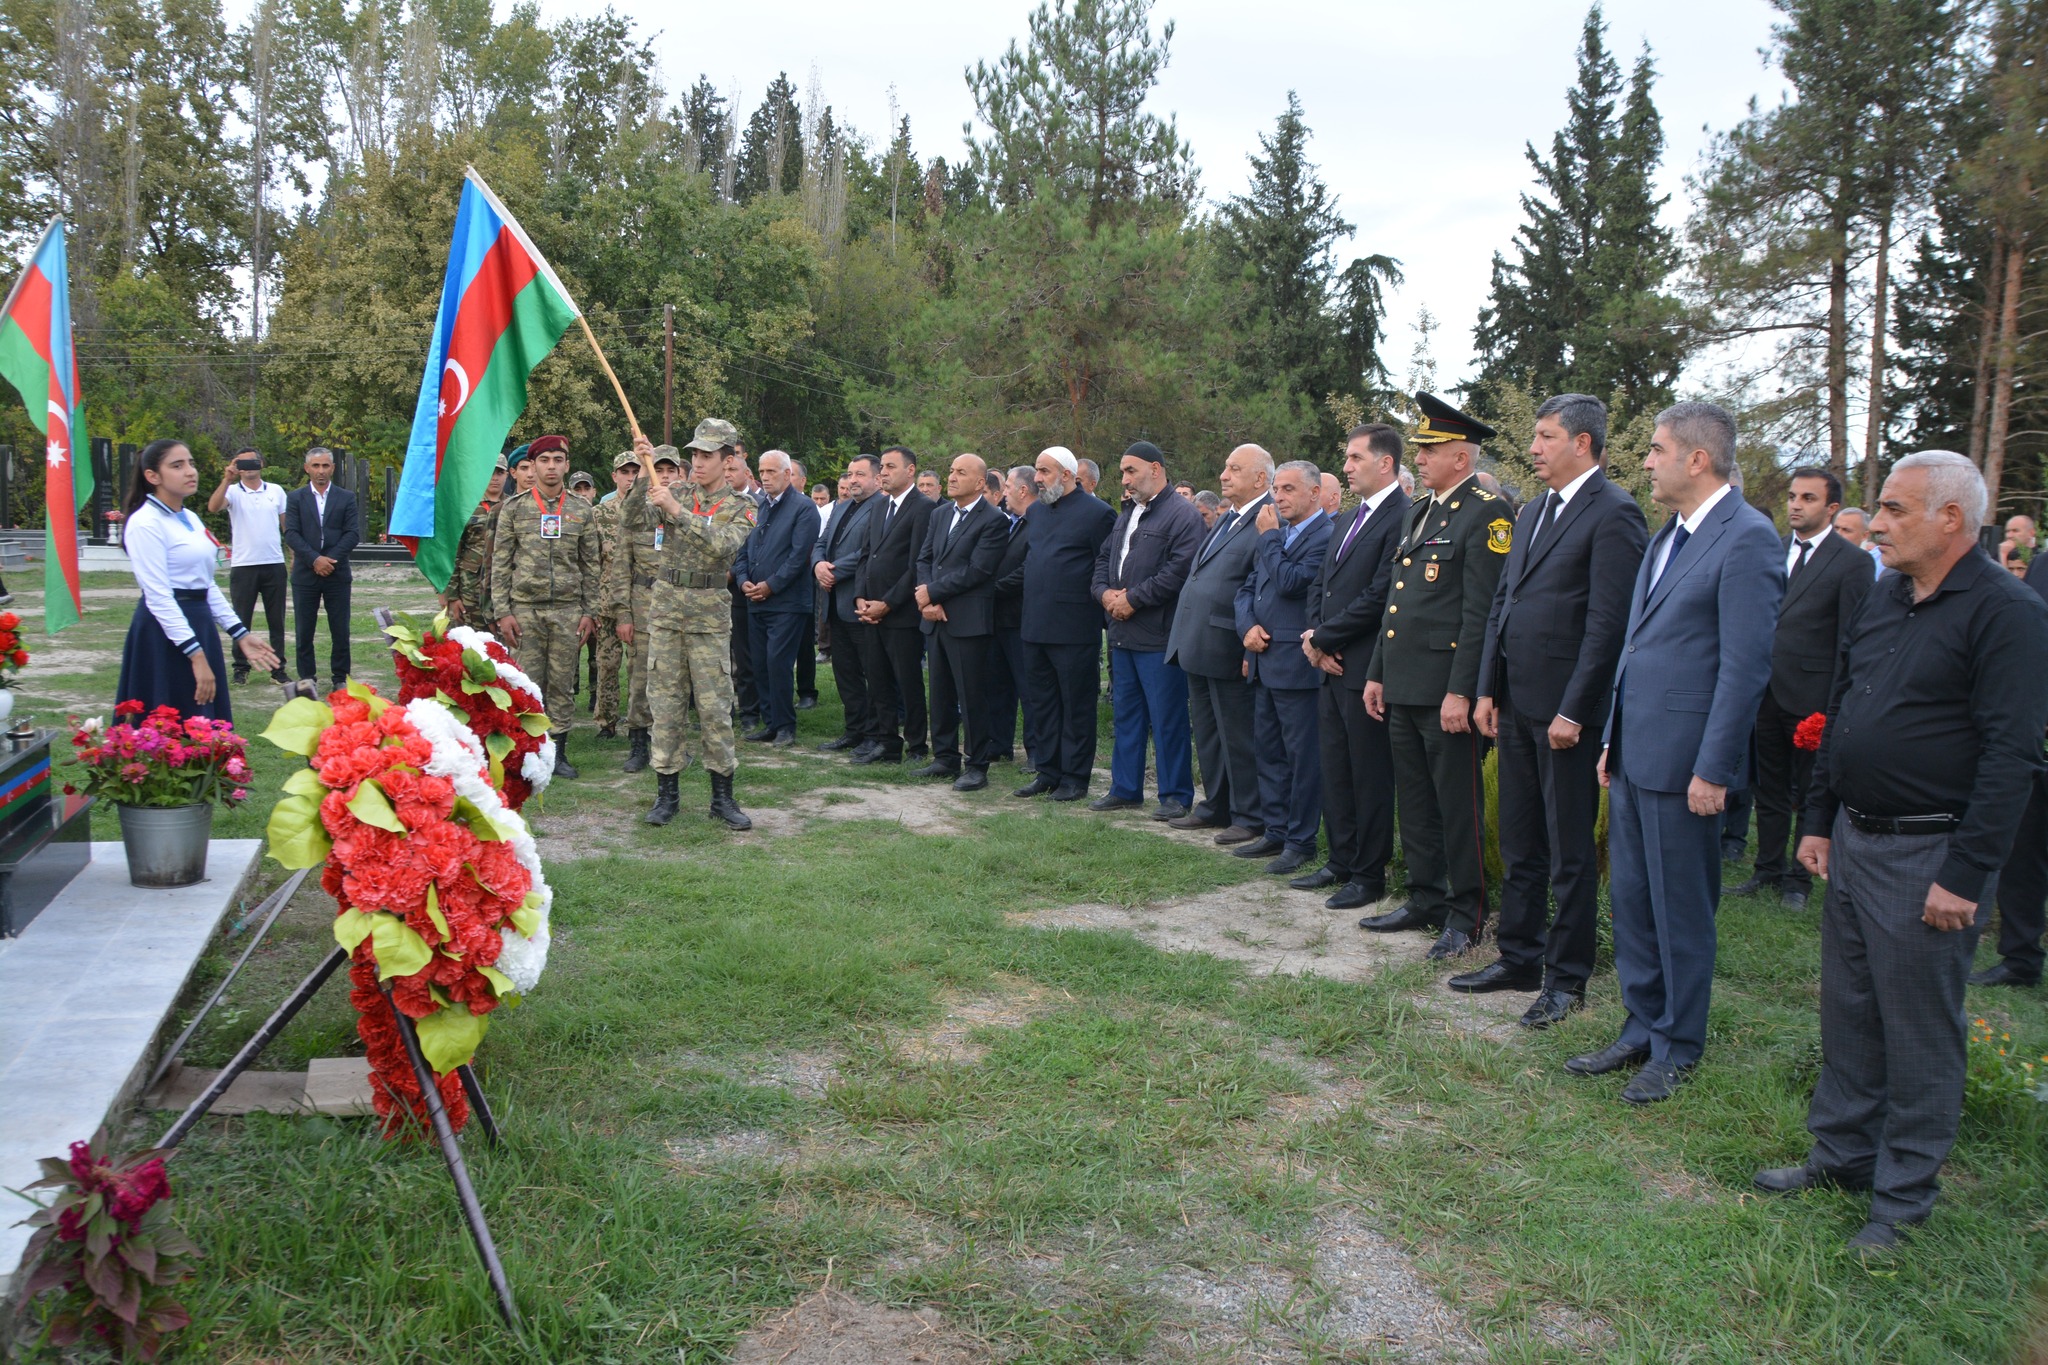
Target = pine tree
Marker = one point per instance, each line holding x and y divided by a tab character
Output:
704	122
771	157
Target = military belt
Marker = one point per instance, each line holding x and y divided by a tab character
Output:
676	578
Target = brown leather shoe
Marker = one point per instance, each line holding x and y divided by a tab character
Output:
1237	834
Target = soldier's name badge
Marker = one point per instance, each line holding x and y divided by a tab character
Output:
659	532
551	526
1430	571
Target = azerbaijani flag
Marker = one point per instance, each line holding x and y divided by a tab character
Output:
36	356
502	311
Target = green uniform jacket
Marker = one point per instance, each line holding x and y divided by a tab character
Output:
606	515
470	582
1445	567
532	570
694	562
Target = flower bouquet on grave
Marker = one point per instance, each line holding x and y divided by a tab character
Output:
164	773
437	882
471	671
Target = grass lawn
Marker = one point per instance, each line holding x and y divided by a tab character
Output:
838	1051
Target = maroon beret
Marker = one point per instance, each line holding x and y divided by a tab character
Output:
544	444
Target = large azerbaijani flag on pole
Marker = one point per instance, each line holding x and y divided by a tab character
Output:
36	356
502	311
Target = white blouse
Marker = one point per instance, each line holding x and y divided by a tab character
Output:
170	551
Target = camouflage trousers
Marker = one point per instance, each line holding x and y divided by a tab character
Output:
681	665
611	653
638	717
548	651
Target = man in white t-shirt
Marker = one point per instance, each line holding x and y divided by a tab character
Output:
256	561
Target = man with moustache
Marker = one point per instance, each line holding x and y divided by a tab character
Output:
956	595
836	565
1062	627
885	597
774	574
1020	491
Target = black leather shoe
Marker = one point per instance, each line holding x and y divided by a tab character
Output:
1734	853
1037	786
1070	791
917	751
1352	896
1497	976
1235	834
864	757
2004	974
1449	944
1799	1179
1877	1239
1196	820
936	768
971	780
784	739
1169	809
1316	880
1747	888
1551	1007
833	746
1288	863
1261	847
1655	1083
806	703
1396	921
760	736
1792	900
1613	1057
1111	801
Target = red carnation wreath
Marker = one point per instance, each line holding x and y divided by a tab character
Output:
1806	735
471	671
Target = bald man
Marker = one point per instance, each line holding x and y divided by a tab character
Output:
956	595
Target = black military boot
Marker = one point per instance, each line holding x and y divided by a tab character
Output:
641	753
563	767
668	798
723	807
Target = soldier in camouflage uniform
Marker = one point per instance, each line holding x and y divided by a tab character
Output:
468	598
699	528
545	581
610	649
629	596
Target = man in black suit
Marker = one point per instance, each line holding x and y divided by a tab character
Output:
835	563
1204	644
1546	676
2023	882
956	595
1827	580
322	524
1344	610
885	597
1062	624
1020	490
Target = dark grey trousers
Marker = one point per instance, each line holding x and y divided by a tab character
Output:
1892	1031
1220	714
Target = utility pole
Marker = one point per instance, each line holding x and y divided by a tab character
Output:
668	375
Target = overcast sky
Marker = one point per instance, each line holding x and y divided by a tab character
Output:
1419	111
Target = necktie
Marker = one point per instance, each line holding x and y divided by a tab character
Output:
1545	519
1805	546
1352	534
1678	539
1222	529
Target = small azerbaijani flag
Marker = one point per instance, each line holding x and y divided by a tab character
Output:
37	357
502	310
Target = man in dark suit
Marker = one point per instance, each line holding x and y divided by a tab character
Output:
956	594
885	597
835	563
1205	644
1138	578
774	574
1344	610
1424	675
1694	663
1272	612
1545	678
1062	624
2023	883
1006	689
1826	580
322	523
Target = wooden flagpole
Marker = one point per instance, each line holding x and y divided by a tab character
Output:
617	387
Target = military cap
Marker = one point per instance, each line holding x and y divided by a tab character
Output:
518	453
714	433
502	466
1442	423
541	445
624	458
582	476
668	455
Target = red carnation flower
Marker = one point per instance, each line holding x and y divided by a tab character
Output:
131	707
1808	732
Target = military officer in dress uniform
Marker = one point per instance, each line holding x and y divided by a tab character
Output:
1425	672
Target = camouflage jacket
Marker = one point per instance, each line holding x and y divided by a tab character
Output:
530	569
629	574
470	582
605	515
694	559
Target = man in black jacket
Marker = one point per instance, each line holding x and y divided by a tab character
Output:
1063	624
1138	578
956	595
1344	610
1827	580
322	524
885	598
1020	490
1546	677
835	563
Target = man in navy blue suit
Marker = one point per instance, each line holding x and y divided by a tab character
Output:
956	595
774	575
1695	660
1063	624
1272	613
322	523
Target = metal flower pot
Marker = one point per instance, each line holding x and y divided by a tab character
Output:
166	845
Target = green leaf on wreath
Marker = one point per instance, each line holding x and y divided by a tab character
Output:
305	782
434	913
296	726
400	951
535	723
478	666
449	1036
295	834
498	745
500	696
371	806
351	927
526	919
479	823
500	983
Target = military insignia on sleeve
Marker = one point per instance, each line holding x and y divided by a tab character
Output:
1499	535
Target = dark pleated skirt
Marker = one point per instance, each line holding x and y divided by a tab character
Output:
155	673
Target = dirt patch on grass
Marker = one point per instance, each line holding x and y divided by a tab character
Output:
801	1073
922	810
1013	1004
1272	929
745	1144
833	1328
73	660
1331	1088
1491	1015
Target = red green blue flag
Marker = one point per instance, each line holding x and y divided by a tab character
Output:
502	310
37	357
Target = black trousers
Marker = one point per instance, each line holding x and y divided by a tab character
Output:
1549	804
1358	785
960	680
2023	887
311	593
1005	691
1783	771
893	658
850	675
246	586
743	690
807	660
1068	680
1220	714
1443	820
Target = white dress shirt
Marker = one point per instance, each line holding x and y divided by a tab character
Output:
1692	526
1138	510
171	551
959	515
1792	547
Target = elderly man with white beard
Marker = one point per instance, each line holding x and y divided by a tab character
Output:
1063	624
